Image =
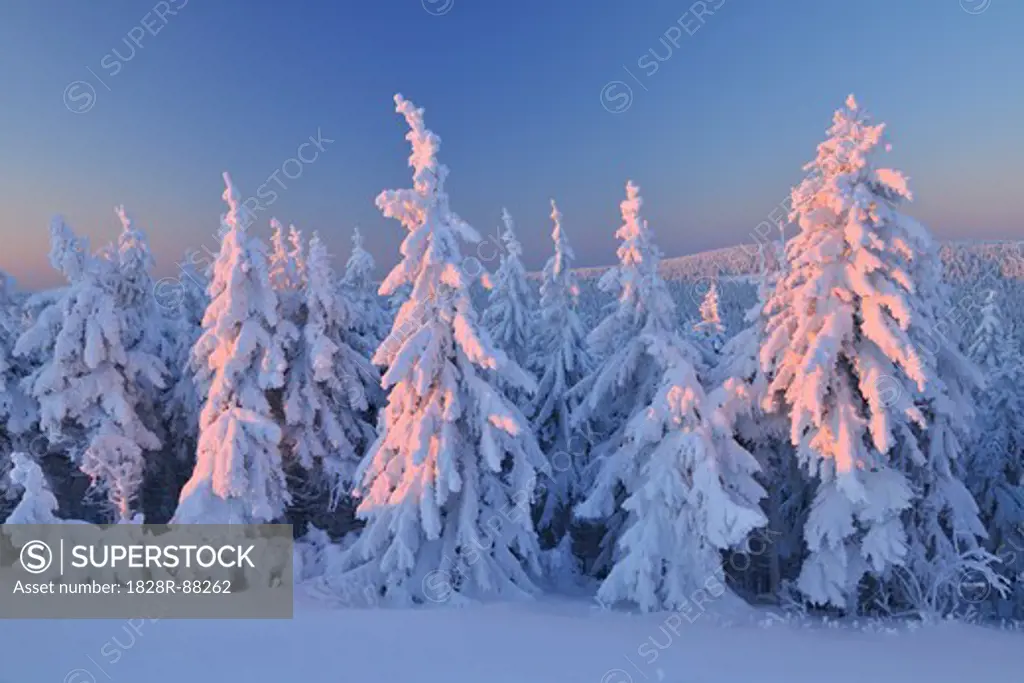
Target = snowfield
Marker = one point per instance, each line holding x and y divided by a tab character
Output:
553	641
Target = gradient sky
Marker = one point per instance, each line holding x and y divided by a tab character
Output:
715	137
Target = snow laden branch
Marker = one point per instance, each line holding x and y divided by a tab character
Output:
446	488
675	485
877	407
95	350
560	359
238	361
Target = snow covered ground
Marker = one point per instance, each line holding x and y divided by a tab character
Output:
554	641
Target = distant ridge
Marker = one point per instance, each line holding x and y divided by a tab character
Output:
964	260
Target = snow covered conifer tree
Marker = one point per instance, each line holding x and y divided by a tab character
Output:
286	276
136	282
642	299
708	334
144	334
395	301
282	272
510	313
370	321
93	373
17	411
330	386
710	328
38	505
69	253
876	411
181	402
238	360
560	360
297	256
944	528
618	385
741	354
446	488
766	436
677	486
994	470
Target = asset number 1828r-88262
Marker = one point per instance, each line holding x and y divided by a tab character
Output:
184	587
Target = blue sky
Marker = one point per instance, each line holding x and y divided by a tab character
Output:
715	136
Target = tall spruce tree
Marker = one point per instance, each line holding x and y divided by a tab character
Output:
560	360
238	362
994	470
446	489
877	403
371	321
509	317
677	486
95	366
331	386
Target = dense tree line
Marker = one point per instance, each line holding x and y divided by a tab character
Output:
835	409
